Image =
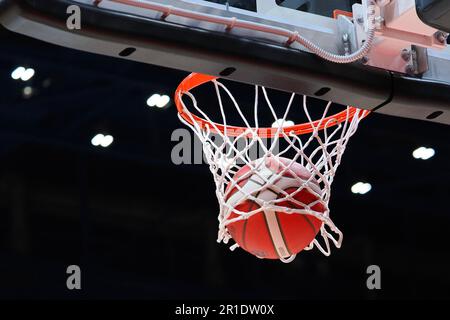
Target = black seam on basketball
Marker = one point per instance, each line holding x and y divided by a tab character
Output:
267	225
310	223
244	228
282	234
270	235
280	195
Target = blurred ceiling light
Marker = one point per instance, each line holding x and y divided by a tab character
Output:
423	153
22	74
47	83
102	140
17	73
285	123
361	188
28	74
159	101
97	140
107	141
27	92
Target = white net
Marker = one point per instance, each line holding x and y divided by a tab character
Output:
249	161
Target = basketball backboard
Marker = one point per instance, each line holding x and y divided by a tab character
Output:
405	73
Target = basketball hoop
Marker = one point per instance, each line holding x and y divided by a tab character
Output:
317	145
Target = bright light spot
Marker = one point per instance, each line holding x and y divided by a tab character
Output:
47	83
164	101
17	74
159	101
22	73
107	140
97	140
27	92
361	188
28	74
151	102
102	140
424	153
280	122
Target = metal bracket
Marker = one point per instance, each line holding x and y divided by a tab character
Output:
399	33
419	59
347	33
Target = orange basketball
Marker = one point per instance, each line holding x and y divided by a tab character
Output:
269	234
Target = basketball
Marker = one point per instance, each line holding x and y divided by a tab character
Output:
269	234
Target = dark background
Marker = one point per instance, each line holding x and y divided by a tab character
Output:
141	227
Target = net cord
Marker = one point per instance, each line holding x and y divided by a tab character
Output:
227	154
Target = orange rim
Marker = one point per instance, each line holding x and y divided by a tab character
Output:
197	79
338	12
